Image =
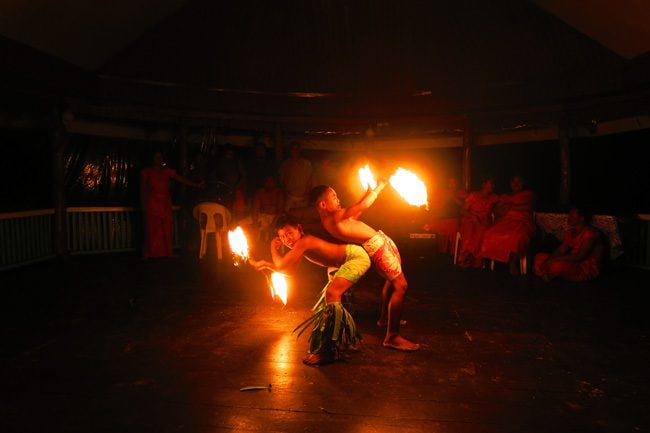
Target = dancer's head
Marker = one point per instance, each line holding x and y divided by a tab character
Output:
289	229
324	198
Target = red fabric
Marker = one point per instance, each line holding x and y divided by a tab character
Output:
510	234
587	269
472	228
158	212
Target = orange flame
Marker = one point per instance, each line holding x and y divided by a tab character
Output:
238	243
410	187
279	286
367	178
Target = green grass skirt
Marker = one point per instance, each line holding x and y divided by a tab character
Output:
333	328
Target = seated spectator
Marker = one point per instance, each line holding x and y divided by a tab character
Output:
297	178
240	208
445	220
229	169
509	237
580	255
258	167
267	204
477	217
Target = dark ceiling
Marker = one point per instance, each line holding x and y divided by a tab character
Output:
340	59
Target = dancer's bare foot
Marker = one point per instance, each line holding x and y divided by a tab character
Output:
381	323
398	342
319	359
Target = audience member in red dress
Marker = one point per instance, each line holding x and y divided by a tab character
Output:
156	201
509	237
579	257
446	208
477	217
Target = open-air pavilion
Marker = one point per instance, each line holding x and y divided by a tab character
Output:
97	339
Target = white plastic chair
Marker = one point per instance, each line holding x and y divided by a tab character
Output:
523	265
212	218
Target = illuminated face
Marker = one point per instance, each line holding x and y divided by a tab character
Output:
289	234
330	201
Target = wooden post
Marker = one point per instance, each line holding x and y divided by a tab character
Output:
59	230
467	154
183	218
565	163
182	149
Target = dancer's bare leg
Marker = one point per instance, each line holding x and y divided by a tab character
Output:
386	292
393	339
336	288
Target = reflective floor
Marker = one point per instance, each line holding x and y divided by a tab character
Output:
117	344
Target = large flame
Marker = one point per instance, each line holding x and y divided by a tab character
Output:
367	178
410	187
238	243
279	286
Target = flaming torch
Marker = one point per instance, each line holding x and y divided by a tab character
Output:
410	187
279	287
367	178
238	245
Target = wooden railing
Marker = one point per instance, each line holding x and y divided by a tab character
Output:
26	237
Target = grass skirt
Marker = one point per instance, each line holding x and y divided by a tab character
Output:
333	328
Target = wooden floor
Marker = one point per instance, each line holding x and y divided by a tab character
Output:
117	344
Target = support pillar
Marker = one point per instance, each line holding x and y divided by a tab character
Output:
565	164
59	144
183	169
467	155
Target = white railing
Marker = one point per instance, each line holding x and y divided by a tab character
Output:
94	230
26	237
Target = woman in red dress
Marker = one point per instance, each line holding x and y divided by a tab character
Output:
477	217
579	257
156	202
509	237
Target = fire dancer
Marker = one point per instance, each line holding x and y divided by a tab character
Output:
343	224
334	328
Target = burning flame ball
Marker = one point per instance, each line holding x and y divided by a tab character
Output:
367	178
238	244
410	187
279	286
